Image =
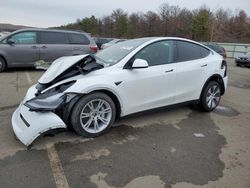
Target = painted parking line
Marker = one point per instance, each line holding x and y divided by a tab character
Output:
56	167
55	163
28	77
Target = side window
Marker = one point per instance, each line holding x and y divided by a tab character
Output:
204	52
78	39
158	53
187	51
53	38
25	38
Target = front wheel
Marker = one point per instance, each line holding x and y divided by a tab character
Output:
93	115
210	97
2	64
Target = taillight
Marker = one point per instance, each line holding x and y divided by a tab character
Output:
94	48
224	65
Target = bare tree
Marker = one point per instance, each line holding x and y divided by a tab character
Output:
200	24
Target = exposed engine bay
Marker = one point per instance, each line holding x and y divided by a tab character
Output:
83	66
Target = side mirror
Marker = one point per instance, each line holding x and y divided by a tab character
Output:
10	41
139	63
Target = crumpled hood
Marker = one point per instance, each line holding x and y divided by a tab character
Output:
59	66
65	68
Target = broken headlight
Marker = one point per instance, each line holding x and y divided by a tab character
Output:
50	100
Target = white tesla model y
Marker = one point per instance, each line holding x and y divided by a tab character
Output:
88	92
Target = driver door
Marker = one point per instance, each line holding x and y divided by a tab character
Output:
24	51
154	86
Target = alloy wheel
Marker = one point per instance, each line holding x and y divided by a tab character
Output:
95	116
213	96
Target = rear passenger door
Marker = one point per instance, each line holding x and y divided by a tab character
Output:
191	64
53	45
80	44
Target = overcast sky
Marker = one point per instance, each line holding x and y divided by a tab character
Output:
47	13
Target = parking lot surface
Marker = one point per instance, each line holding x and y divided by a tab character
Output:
177	147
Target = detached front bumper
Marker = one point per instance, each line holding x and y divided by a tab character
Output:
28	125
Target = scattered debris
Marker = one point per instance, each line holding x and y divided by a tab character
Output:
199	135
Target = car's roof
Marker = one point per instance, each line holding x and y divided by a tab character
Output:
211	44
52	30
155	39
55	30
167	38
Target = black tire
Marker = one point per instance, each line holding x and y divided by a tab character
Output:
204	105
77	109
2	64
238	65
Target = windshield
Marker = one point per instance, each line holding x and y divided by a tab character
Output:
115	53
113	41
4	37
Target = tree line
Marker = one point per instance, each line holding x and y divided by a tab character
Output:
200	24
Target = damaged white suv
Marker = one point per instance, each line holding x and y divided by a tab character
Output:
88	92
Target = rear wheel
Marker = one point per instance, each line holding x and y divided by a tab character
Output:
2	64
210	97
93	115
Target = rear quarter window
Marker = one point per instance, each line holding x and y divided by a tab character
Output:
187	51
78	39
204	52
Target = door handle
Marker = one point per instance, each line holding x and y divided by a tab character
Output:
43	47
76	48
204	65
171	70
34	47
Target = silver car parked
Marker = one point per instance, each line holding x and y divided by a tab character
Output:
26	47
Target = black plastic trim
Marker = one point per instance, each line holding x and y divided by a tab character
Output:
25	122
118	83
